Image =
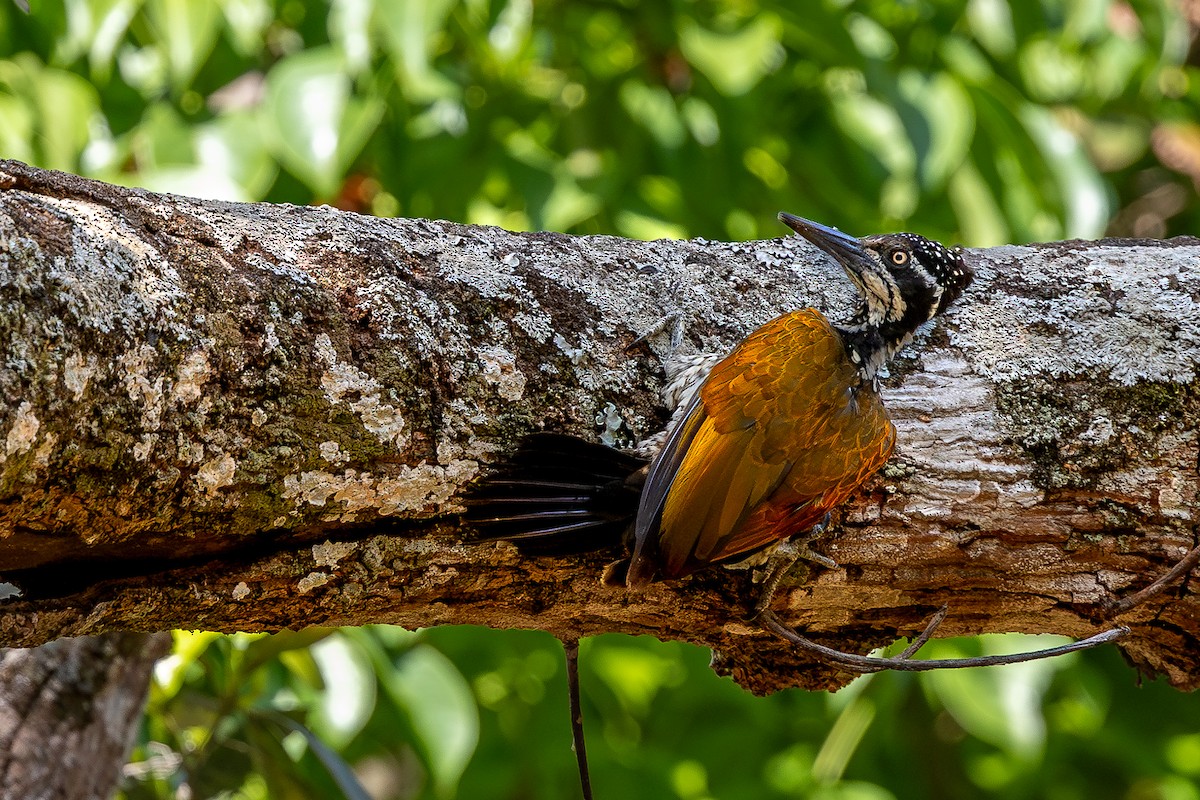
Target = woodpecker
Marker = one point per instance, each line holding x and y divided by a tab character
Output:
779	433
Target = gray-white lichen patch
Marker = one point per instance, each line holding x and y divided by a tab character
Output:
216	473
190	378
1133	314
312	581
328	554
23	433
424	487
118	286
142	385
77	371
343	383
500	369
333	453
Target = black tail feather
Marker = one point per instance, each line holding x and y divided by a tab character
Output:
558	495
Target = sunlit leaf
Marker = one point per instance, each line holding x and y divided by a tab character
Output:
991	23
411	32
736	61
654	108
947	128
979	217
62	106
16	130
246	23
187	33
230	146
876	127
349	696
95	28
634	675
316	124
263	649
350	29
187	647
438	701
1000	705
1051	73
1087	201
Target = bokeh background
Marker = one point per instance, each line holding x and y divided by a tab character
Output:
980	123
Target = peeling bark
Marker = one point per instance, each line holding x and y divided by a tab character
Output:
249	417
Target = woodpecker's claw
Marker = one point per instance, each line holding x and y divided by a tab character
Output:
905	663
781	564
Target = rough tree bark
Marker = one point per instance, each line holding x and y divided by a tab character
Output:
68	711
248	417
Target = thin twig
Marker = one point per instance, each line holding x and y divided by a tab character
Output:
1185	565
571	647
926	634
865	664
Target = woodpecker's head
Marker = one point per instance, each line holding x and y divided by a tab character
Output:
903	280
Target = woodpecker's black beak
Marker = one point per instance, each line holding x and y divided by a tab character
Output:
843	248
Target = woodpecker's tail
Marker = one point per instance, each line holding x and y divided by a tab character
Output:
558	495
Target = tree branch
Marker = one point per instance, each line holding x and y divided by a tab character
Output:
247	417
69	711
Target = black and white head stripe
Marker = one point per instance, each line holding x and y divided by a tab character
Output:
903	280
943	265
943	269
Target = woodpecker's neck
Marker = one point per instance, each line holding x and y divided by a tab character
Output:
872	346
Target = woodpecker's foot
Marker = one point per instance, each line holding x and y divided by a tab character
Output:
905	662
807	553
781	563
673	321
1185	565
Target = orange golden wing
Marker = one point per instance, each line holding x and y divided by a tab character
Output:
775	432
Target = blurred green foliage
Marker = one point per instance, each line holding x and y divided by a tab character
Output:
979	122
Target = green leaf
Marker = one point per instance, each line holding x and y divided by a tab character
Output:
412	31
350	30
948	125
340	771
186	33
979	217
272	761
187	648
991	22
1083	189
16	128
1000	705
654	108
635	675
264	649
95	28
63	107
350	684
441	710
316	126
1051	73
231	146
735	62
246	22
876	128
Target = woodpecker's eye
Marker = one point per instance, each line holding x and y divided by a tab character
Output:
899	258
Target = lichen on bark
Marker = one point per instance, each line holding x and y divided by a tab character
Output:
196	396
